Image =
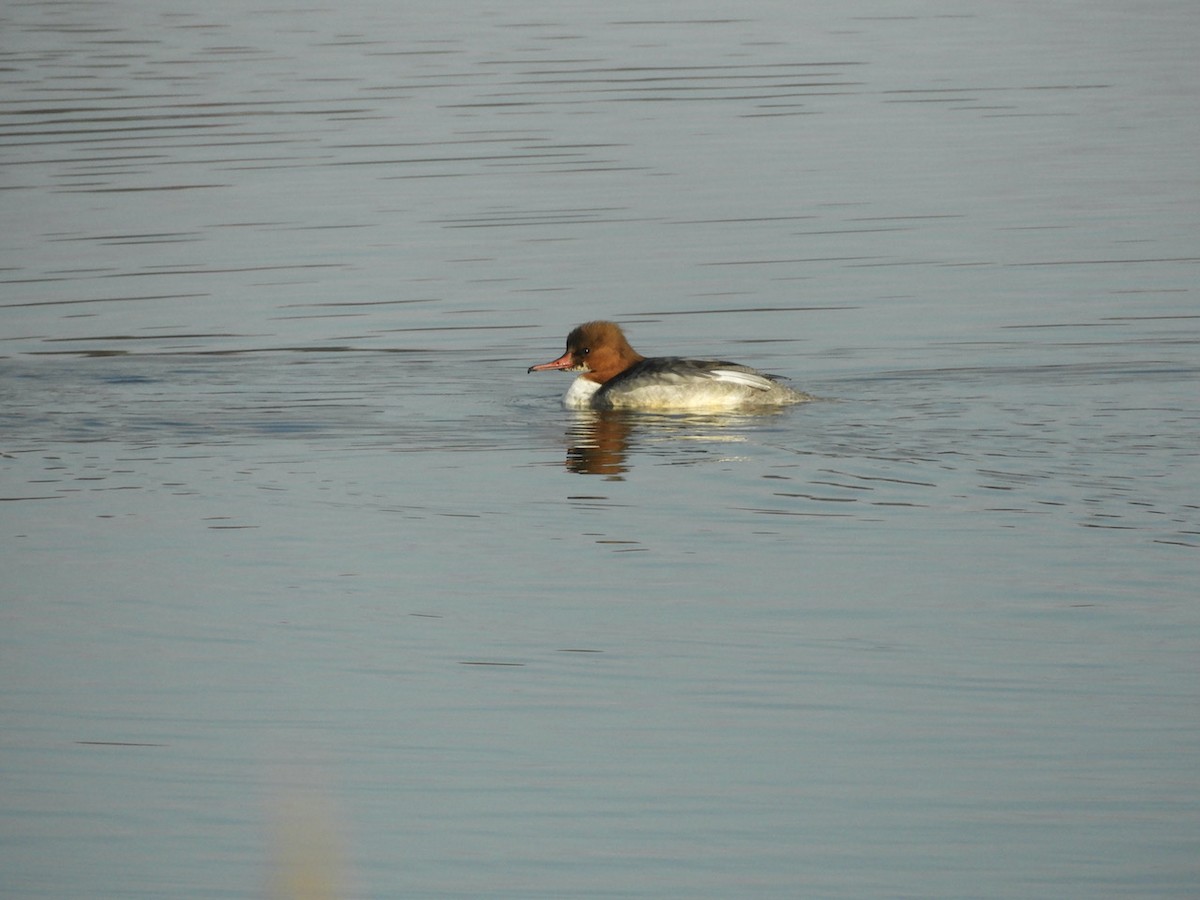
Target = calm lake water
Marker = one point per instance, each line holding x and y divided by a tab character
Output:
310	590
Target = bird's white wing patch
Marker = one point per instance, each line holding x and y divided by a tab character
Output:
747	379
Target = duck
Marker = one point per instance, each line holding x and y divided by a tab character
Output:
615	376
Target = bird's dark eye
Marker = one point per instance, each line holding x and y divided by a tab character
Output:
585	351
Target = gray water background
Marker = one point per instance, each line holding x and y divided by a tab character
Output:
305	578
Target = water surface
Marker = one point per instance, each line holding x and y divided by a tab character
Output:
304	577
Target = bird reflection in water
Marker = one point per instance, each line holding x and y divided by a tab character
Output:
598	444
601	443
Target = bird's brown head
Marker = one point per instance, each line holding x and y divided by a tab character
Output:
599	350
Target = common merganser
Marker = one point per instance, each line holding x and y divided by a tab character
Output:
615	376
